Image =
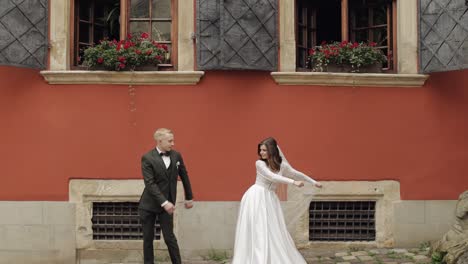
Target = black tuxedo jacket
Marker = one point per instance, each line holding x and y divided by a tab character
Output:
161	183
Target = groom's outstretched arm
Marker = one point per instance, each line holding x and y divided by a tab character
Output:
150	182
185	179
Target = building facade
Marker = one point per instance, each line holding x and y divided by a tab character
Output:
390	148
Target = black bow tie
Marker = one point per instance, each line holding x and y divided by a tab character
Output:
168	153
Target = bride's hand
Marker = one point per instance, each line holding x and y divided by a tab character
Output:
318	185
299	183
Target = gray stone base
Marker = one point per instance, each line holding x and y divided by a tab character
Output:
422	221
44	232
37	233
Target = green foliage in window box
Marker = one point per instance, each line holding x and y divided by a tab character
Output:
349	57
129	54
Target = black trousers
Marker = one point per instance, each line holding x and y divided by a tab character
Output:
166	220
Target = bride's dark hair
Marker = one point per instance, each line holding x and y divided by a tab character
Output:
274	159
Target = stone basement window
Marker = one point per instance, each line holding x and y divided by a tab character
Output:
119	221
342	221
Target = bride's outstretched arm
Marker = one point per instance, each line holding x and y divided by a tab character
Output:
267	173
291	172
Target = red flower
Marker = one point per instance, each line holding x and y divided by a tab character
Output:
158	57
372	44
129	36
311	52
355	45
138	51
121	65
119	45
128	44
144	35
100	60
344	43
148	52
121	59
164	46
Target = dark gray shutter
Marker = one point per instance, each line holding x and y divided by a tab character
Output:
443	35
208	34
247	34
23	33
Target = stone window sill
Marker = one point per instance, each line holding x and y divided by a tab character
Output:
349	79
125	78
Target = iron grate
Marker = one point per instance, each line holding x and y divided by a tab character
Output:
342	221
119	221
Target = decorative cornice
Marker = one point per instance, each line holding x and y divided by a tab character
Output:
126	78
349	79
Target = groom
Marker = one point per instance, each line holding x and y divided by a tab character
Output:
160	167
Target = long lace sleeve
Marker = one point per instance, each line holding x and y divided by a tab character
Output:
263	170
291	172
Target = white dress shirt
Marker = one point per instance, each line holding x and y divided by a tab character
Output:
167	162
166	159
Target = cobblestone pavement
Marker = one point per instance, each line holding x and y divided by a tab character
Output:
372	256
356	256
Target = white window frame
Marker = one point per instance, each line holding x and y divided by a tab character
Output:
60	61
407	48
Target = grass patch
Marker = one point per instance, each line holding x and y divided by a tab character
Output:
424	245
393	255
217	255
437	257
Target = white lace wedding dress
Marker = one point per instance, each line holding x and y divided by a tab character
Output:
261	233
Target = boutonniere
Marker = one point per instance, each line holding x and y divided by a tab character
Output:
177	164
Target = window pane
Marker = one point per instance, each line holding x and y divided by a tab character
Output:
85	10
161	31
301	55
301	14
300	32
161	8
85	32
362	17
99	33
380	36
139	27
311	20
139	9
310	40
380	15
362	35
100	11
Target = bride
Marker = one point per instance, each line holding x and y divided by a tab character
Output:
261	234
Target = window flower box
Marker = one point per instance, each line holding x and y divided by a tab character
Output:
346	57
137	52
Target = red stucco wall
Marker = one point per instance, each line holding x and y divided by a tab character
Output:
53	133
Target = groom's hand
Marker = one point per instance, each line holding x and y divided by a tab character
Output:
188	204
169	207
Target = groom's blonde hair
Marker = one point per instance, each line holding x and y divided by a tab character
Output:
160	132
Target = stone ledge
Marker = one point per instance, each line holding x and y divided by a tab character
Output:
125	78
349	79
